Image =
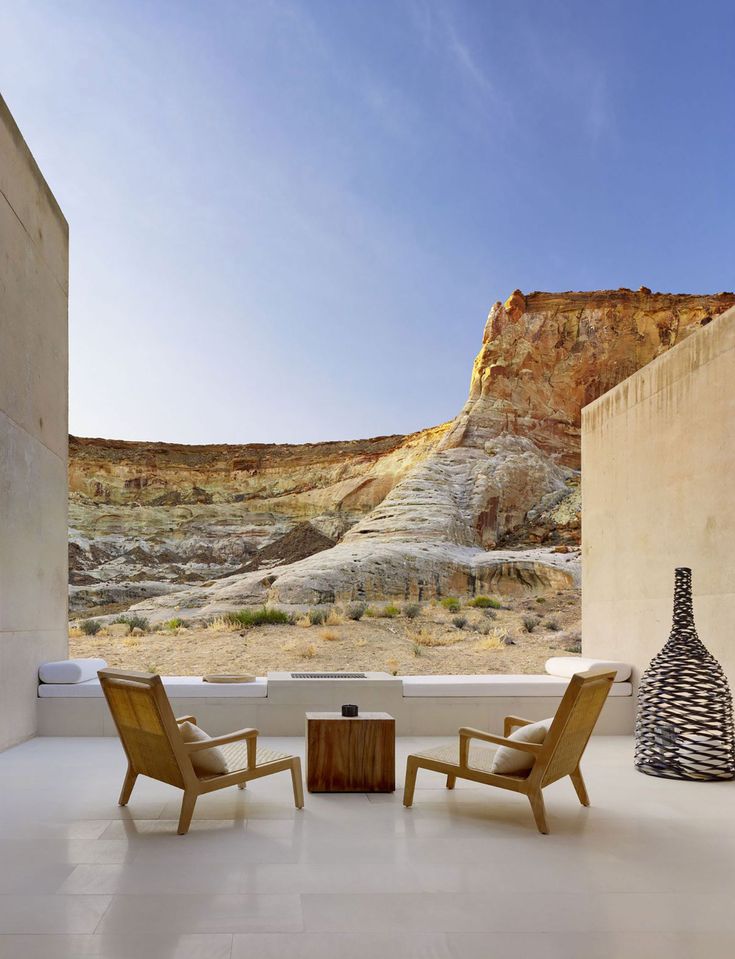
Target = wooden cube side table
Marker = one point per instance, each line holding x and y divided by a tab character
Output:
350	755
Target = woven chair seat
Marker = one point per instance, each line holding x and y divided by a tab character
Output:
479	758
236	755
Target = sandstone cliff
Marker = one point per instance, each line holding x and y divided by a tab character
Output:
145	518
442	510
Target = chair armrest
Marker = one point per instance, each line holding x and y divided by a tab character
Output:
250	734
186	719
512	721
466	733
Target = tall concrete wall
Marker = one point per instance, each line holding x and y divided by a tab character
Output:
658	491
34	243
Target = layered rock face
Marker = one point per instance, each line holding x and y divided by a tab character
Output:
445	510
146	518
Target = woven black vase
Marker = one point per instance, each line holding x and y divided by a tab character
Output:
684	726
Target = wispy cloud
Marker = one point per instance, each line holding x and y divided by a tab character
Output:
440	30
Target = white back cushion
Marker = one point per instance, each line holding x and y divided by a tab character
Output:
70	670
508	760
569	665
207	761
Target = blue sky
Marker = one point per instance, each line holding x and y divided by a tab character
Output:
289	219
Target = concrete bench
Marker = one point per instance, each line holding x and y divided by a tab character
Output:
276	705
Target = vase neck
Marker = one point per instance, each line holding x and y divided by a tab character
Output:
683	606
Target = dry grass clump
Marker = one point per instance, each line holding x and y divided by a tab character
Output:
303	621
302	649
75	631
391	667
428	638
219	625
335	617
493	641
329	635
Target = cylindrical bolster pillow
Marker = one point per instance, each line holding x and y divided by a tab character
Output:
70	670
567	666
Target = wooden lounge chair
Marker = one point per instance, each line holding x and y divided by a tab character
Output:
558	756
154	746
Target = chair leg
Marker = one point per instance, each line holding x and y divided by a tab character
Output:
130	777
451	780
412	768
539	811
579	786
187	811
298	783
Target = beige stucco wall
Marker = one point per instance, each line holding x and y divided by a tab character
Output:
33	430
658	491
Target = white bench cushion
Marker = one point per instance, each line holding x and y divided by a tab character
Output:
177	687
70	670
569	665
509	685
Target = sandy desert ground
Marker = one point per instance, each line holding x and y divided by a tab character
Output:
435	641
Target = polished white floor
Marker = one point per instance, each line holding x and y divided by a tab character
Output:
647	871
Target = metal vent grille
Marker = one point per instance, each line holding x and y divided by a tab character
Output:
328	676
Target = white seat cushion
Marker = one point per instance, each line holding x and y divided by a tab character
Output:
569	665
508	685
509	761
70	671
177	687
207	762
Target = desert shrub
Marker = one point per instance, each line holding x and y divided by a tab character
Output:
329	635
459	621
573	643
530	623
308	651
248	618
490	613
411	610
483	628
133	621
334	617
388	612
173	624
219	624
540	599
485	602
356	611
553	625
317	616
90	627
451	603
418	649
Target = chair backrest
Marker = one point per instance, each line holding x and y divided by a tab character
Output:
146	725
573	723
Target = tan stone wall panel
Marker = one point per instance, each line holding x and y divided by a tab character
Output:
658	461
33	431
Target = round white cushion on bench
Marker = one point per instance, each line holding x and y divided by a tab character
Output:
567	666
70	670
